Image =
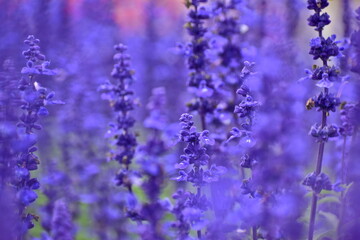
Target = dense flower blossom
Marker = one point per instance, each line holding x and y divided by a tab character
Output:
326	102
245	111
318	182
194	168
324	48
235	170
319	21
193	163
246	107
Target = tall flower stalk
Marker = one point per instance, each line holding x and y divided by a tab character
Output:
121	100
34	101
245	112
124	144
230	56
152	167
321	48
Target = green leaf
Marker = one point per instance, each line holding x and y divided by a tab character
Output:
329	199
139	192
328	234
330	218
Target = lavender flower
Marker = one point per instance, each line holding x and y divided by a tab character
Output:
121	99
192	164
34	101
321	48
245	111
124	146
194	168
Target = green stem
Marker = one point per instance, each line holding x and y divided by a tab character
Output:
254	233
317	172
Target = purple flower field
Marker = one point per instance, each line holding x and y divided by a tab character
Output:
179	119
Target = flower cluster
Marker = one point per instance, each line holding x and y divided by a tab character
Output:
245	110
193	163
123	138
318	182
318	19
36	62
324	76
323	134
121	99
324	48
326	102
194	168
34	101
